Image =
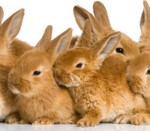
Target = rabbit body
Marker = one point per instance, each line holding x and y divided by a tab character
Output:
8	32
100	93
39	100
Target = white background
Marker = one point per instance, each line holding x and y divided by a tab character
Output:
124	16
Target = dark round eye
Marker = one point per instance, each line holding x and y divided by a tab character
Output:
36	73
148	72
119	50
79	65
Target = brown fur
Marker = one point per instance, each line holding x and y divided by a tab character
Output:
20	47
8	32
100	26
139	83
144	41
17	46
73	41
1	14
39	99
100	93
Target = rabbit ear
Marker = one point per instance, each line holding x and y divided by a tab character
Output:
106	46
46	38
1	14
60	43
145	21
86	37
81	15
11	27
73	42
101	15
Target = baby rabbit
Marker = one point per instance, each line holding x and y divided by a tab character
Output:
99	88
144	41
38	98
138	72
8	31
101	26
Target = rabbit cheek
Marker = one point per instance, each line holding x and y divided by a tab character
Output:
136	84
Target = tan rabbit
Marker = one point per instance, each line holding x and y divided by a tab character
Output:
100	93
101	26
8	31
18	47
138	79
144	41
39	99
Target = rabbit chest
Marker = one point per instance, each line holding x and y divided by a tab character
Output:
111	99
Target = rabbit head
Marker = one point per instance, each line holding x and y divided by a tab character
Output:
138	74
74	65
8	31
32	71
101	27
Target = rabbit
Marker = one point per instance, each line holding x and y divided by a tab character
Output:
38	99
8	31
137	76
18	47
96	81
144	41
101	26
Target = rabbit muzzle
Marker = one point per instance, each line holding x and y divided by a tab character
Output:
68	80
18	85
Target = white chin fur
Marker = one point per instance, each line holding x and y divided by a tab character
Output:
4	111
15	91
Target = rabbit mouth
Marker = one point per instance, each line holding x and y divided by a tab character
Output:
74	81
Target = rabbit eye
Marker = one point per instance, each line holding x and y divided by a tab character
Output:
148	72
36	73
79	65
120	50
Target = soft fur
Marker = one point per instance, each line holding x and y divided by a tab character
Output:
39	100
99	88
17	46
8	32
144	41
139	81
100	26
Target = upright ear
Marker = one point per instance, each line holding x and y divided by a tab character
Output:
145	21
74	41
106	46
60	43
85	39
1	14
11	27
46	38
101	15
81	15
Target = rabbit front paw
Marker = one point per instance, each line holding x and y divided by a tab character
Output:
13	118
141	119
123	119
88	121
43	121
